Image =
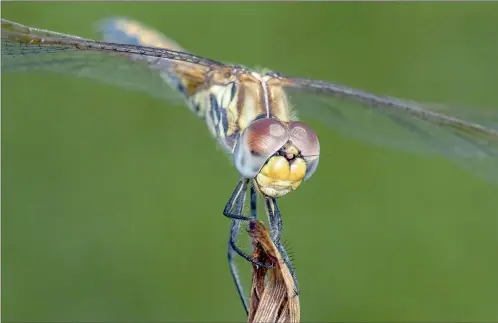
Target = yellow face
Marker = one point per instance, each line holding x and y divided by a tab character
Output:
278	156
281	175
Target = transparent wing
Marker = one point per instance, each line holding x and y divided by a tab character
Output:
159	72
426	129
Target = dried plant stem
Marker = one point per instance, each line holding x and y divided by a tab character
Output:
273	300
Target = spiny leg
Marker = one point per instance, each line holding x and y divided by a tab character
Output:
275	220
254	210
254	198
238	192
238	196
234	233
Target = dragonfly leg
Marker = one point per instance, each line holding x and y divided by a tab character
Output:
237	201
233	268
275	220
231	251
254	198
238	193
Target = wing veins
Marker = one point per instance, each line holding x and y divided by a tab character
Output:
14	34
383	102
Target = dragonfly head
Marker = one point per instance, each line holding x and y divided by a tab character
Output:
277	155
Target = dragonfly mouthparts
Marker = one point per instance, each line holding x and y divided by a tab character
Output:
289	156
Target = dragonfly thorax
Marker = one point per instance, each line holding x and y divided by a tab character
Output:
277	155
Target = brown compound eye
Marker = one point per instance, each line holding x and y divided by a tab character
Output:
306	140
259	141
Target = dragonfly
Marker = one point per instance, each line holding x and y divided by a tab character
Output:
255	115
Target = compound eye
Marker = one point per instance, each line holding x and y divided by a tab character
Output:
311	165
306	140
258	142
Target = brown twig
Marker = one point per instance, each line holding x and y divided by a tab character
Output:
273	300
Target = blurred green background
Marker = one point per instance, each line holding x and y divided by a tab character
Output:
112	200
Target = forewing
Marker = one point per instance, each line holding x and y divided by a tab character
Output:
148	69
401	124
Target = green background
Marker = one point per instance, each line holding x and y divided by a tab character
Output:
112	200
